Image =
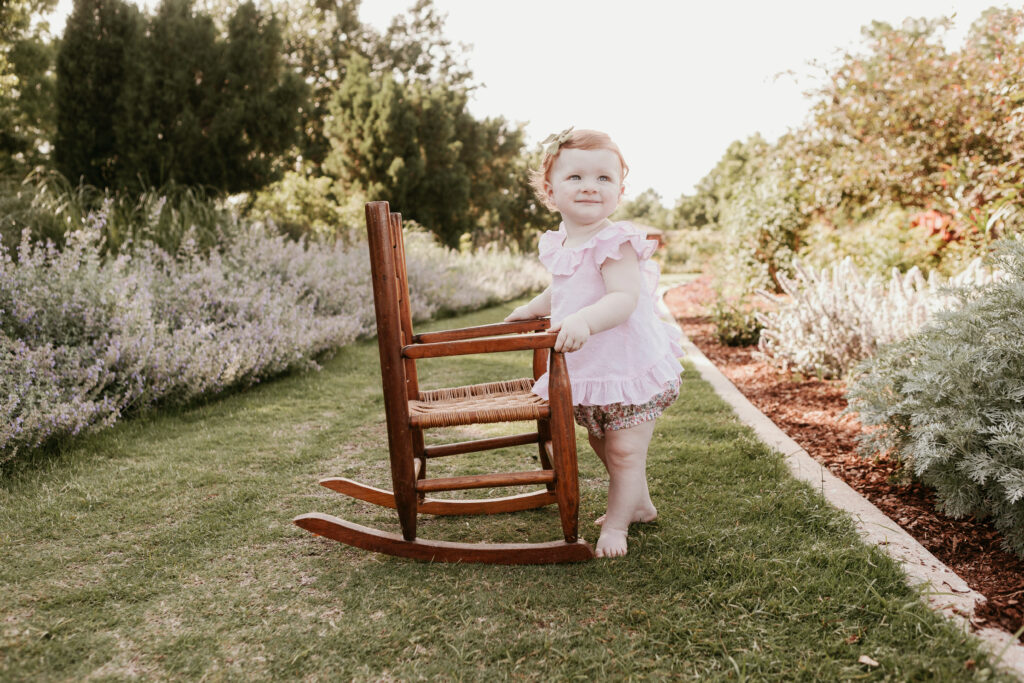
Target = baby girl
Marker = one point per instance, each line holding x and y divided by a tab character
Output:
622	358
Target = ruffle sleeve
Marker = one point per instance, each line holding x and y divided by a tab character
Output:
608	243
561	260
556	258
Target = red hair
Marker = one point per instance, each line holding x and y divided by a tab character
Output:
579	139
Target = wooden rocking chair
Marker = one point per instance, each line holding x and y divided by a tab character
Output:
410	411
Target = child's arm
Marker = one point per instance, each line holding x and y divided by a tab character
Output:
623	283
538	307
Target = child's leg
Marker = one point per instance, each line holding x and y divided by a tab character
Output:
598	445
625	457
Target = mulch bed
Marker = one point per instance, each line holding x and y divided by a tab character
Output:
809	410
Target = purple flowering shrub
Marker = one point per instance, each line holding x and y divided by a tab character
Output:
86	339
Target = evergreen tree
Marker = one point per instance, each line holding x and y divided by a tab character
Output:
181	102
502	204
324	35
90	79
172	77
259	110
395	141
416	145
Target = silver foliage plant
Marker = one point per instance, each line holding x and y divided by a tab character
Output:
949	401
85	340
832	319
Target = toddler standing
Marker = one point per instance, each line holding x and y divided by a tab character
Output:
622	359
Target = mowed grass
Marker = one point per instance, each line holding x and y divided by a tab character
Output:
163	548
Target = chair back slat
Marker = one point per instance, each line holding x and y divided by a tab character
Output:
401	442
388	311
404	305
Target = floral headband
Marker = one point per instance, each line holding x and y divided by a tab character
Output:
552	142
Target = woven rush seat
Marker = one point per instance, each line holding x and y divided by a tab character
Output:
476	403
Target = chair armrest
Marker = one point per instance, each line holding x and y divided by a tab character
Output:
465	347
515	327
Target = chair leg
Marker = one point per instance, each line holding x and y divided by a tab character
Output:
563	446
544	432
403	477
540	364
419	454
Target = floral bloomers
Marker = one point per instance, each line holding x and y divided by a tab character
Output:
599	419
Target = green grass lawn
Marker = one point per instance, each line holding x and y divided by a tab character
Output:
164	548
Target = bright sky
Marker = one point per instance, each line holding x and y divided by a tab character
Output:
673	82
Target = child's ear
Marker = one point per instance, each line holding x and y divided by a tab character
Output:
549	191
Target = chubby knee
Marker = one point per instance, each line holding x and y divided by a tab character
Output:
624	455
627	447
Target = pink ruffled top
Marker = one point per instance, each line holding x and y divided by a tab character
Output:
630	363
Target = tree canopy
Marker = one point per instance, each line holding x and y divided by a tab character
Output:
148	100
26	84
416	144
903	122
228	96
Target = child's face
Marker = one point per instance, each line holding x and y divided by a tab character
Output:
585	185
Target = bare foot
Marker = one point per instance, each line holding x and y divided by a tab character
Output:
612	543
644	514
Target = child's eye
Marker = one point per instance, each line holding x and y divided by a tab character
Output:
604	177
574	177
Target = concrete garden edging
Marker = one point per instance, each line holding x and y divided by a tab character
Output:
942	588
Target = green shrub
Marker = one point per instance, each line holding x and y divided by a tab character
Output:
304	205
764	227
877	244
44	204
735	324
888	239
949	401
690	250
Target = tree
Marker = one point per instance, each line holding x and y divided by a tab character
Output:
397	141
26	84
319	38
502	204
646	208
907	122
415	49
90	78
417	145
174	74
145	101
703	209
322	36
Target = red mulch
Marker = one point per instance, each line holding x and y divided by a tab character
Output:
808	410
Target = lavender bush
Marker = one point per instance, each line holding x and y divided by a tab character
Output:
85	340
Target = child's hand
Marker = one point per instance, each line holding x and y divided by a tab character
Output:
520	313
573	333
